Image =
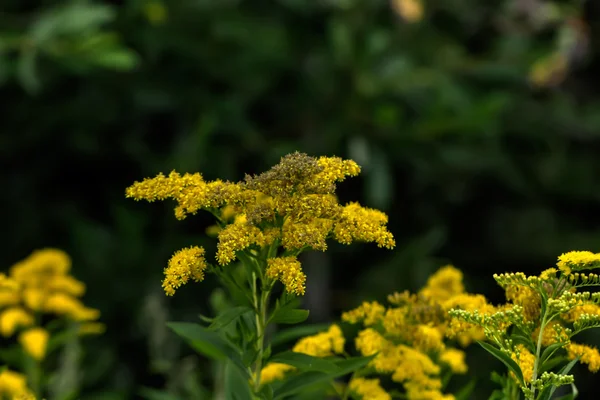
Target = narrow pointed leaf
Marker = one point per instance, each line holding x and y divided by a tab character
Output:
305	380
209	343
296	332
304	362
506	360
228	317
290	316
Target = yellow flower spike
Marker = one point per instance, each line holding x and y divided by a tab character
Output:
69	306
289	271
186	264
369	389
443	284
588	355
13	318
455	359
363	224
274	372
35	342
14	385
577	261
427	338
526	361
368	312
236	237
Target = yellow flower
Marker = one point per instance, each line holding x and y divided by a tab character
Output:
323	344
527	298
40	265
588	355
455	359
236	237
63	304
358	223
289	271
12	318
368	312
185	264
273	372
577	261
427	338
526	361
369	389
444	284
35	342
13	384
553	333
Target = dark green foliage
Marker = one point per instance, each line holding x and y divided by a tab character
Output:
472	162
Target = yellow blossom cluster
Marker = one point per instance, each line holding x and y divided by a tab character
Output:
41	284
324	344
13	385
292	207
547	309
407	338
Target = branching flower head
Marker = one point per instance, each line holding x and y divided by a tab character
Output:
286	210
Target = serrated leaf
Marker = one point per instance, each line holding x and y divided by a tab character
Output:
305	380
209	343
290	334
304	362
289	316
227	317
506	360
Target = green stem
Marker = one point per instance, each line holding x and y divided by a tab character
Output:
537	354
260	304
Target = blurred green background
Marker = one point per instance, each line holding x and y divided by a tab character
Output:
476	124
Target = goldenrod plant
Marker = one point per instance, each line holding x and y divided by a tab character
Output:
40	307
263	224
406	341
533	332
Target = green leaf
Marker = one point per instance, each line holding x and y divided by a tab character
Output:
209	343
228	317
548	392
506	360
236	386
297	332
304	362
465	392
287	316
548	351
305	380
572	396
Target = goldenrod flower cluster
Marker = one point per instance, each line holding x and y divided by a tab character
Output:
408	341
39	284
325	344
13	385
546	310
277	214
